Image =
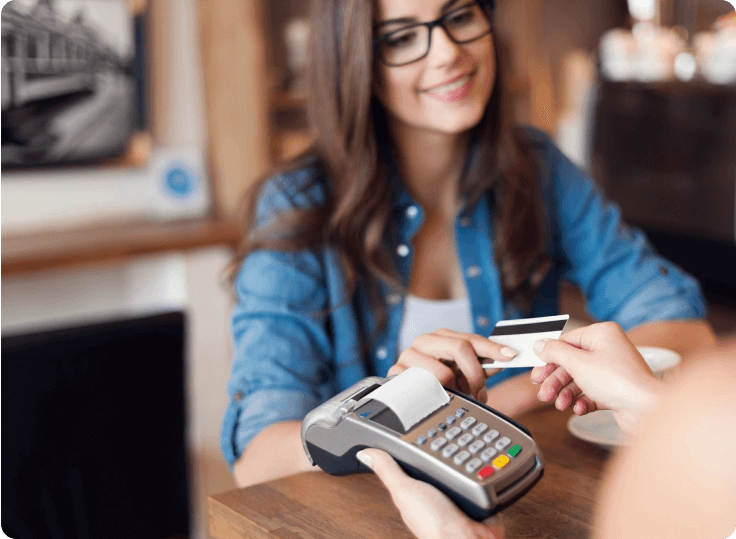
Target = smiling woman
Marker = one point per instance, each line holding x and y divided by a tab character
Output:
409	93
418	186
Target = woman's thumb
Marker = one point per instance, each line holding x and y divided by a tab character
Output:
385	467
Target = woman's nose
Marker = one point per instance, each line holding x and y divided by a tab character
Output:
443	50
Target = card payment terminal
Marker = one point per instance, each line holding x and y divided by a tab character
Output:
480	458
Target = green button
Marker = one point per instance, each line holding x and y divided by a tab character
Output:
515	450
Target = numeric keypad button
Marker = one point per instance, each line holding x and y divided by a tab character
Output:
453	433
439	442
490	436
461	457
465	439
476	446
467	423
503	443
450	450
473	465
479	429
488	454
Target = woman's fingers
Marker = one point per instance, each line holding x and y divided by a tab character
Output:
446	351
461	351
484	348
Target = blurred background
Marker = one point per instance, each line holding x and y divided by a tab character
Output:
131	127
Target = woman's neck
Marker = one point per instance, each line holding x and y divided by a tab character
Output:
431	164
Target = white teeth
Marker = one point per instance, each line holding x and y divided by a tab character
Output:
450	87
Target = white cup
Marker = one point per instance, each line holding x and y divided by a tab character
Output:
662	361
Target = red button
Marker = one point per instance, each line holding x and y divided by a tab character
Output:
486	472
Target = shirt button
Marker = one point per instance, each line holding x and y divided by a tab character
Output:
403	250
393	299
482	321
465	222
238	396
474	271
663	270
412	212
381	353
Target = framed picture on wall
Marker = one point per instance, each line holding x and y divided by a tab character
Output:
73	85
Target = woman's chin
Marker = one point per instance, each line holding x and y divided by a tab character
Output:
457	126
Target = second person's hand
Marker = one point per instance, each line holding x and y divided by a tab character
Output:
601	362
454	359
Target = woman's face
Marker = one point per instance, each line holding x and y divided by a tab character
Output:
447	90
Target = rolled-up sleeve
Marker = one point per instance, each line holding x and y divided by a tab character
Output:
283	353
614	265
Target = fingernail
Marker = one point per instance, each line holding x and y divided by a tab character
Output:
539	345
508	352
364	458
483	395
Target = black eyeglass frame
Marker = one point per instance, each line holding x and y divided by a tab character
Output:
431	25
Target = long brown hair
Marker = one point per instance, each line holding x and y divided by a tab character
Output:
350	128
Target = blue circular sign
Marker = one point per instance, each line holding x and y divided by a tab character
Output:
179	181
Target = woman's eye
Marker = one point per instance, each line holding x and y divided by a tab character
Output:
401	39
463	17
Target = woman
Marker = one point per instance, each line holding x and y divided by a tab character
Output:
419	208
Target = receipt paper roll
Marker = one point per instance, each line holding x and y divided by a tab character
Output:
412	395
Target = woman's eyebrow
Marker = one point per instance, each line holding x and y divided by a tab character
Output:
407	20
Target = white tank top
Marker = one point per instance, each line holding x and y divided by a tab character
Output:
426	316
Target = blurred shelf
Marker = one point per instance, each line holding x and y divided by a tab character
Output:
111	243
672	87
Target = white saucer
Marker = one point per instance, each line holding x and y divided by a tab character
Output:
660	360
598	428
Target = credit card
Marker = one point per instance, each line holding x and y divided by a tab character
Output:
520	335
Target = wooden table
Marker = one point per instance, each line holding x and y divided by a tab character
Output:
317	505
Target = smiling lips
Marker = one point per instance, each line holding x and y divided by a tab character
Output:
454	90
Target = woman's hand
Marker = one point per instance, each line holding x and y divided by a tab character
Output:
602	362
426	511
454	358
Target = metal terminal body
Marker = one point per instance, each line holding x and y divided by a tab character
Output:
488	466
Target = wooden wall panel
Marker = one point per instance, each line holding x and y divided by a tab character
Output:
234	56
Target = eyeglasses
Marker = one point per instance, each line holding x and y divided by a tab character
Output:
411	43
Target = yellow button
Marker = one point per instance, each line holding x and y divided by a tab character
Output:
501	461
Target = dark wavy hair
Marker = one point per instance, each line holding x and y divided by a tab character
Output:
350	128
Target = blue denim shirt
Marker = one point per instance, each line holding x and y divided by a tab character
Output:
297	342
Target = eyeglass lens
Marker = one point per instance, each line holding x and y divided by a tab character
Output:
407	45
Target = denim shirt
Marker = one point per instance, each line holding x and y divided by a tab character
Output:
298	341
